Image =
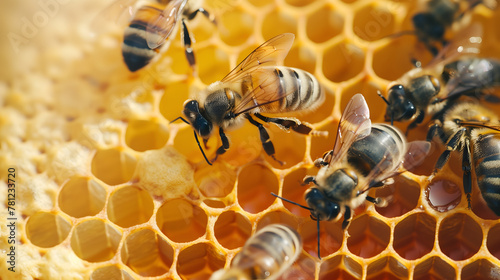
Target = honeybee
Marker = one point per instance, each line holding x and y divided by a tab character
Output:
438	16
151	27
253	87
364	156
474	131
266	255
452	74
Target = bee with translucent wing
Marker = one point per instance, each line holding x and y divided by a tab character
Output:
151	27
474	131
364	156
253	87
425	91
266	255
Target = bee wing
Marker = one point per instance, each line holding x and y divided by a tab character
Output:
267	54
355	123
416	153
466	41
120	12
162	25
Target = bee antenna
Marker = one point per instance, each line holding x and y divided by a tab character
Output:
196	138
317	222
292	202
179	118
388	104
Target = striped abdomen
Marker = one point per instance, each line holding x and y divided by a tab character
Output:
135	50
384	148
486	156
266	255
296	90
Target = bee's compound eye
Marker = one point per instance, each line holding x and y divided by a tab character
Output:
322	208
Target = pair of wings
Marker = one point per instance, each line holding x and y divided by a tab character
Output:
257	74
160	25
355	124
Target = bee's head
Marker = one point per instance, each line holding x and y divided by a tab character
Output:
400	107
322	208
200	124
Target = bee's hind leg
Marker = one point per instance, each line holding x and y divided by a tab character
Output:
186	41
290	123
264	138
204	12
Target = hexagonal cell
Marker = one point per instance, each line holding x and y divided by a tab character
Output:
215	181
95	240
369	236
294	190
342	62
46	230
369	90
460	237
340	267
199	261
386	268
278	22
256	179
434	268
480	269
172	101
493	241
399	52
235	26
129	206
290	147
443	195
113	166
232	229
414	236
147	253
303	268
181	221
110	272
82	196
301	57
402	196
277	217
330	237
324	24
142	135
373	22
212	63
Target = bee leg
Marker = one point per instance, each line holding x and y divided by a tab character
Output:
288	123
186	40
264	138
436	129
204	12
308	180
225	145
452	145
416	122
347	217
467	178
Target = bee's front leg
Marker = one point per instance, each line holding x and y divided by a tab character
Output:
225	144
186	41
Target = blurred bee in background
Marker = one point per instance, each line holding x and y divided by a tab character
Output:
151	26
253	87
425	91
439	16
473	130
364	156
266	255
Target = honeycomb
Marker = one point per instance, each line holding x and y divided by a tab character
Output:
107	188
